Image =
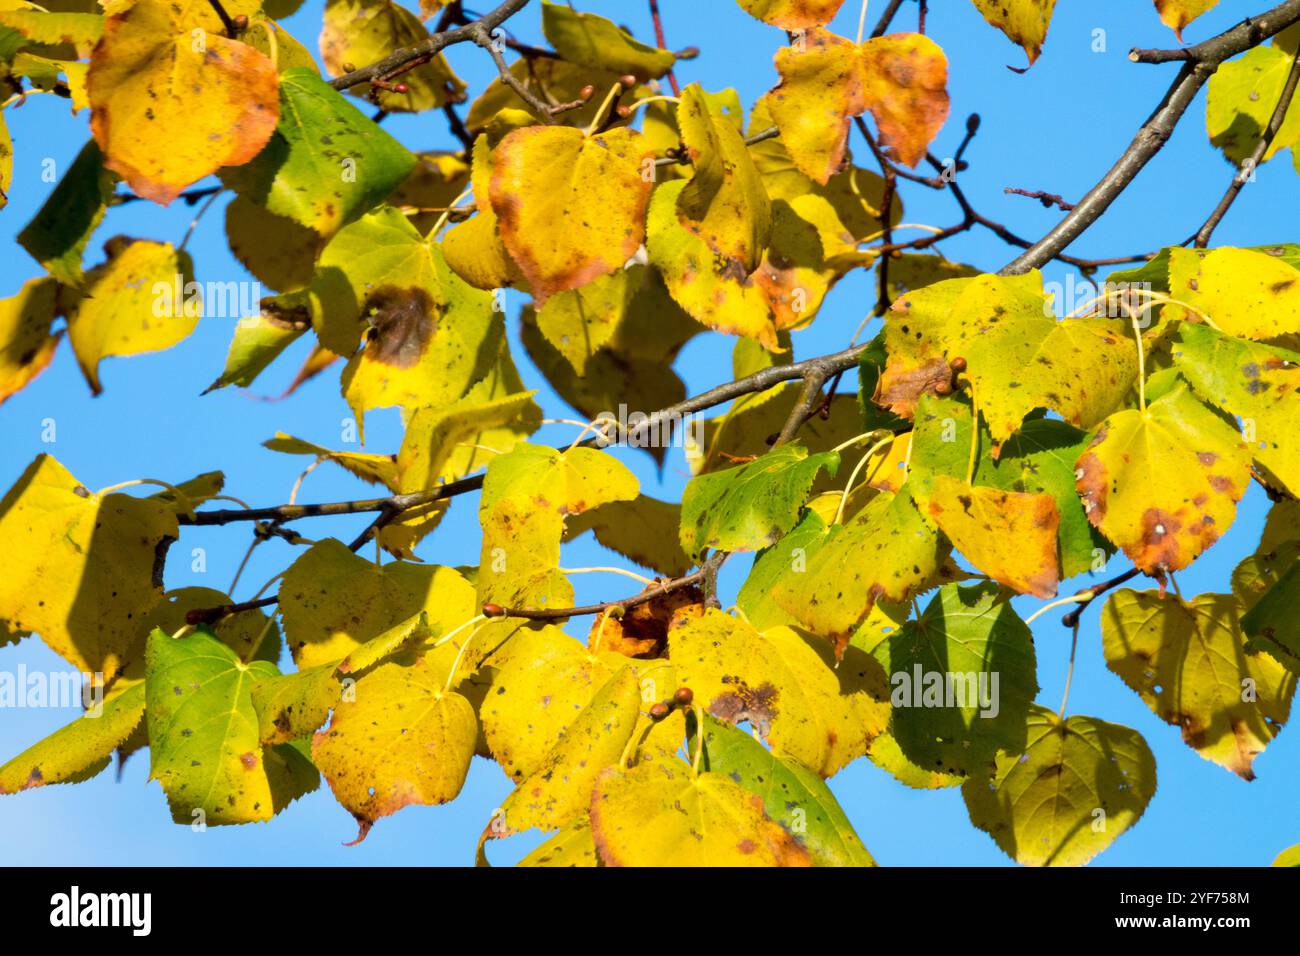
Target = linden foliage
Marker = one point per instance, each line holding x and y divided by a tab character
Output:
1009	449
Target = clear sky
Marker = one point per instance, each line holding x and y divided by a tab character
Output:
1056	128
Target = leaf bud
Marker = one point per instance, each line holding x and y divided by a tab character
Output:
659	711
684	697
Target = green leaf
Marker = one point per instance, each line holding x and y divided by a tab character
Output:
81	749
327	163
258	341
1188	662
1065	796
962	677
792	795
1273	623
749	507
57	235
204	745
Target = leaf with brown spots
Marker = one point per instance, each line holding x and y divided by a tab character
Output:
826	80
26	342
1257	383
724	202
139	300
1163	484
204	746
1041	806
662	814
1009	535
1018	355
537	683
1025	22
81	749
642	631
1189	663
559	790
786	685
173	99
792	14
401	739
1244	292
570	207
885	552
358	32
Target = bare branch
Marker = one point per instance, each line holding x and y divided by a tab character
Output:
1199	62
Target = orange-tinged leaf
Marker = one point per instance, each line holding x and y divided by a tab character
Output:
1163	483
172	99
1024	22
901	79
792	14
1009	535
1176	14
570	207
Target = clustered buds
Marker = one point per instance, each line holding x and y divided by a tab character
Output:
682	698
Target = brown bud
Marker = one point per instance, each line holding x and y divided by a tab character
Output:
240	21
958	364
628	80
587	92
401	88
493	610
194	616
659	711
688	53
684	697
623	111
943	388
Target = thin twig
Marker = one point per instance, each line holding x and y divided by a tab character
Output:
1199	62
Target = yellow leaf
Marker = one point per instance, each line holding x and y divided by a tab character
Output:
570	208
356	33
724	203
826	80
172	99
1024	22
785	685
1009	535
26	342
403	740
538	682
661	814
1244	292
1176	14
1163	483
559	789
792	14
1188	662
103	550
135	302
333	601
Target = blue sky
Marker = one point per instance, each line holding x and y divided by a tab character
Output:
1056	128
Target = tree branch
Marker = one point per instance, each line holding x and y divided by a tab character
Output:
701	575
409	57
1199	62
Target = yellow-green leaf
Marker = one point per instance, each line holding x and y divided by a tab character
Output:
1079	784
1188	662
